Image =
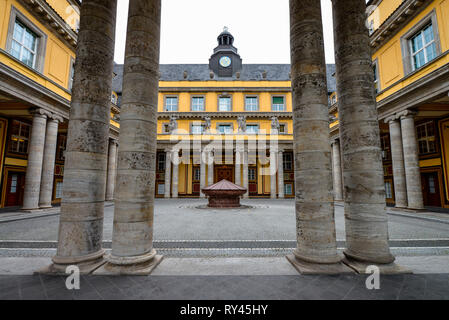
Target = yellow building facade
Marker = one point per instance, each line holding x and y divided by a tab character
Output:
37	56
410	52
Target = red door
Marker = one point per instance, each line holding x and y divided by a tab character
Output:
14	189
431	189
224	173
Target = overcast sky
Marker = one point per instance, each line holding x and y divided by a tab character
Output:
190	28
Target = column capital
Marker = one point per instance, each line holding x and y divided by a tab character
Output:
391	118
56	117
40	112
407	114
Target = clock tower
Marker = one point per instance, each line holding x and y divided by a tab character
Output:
225	61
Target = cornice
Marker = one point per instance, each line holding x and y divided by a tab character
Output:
221	115
396	21
42	11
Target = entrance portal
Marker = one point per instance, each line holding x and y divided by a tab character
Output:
224	172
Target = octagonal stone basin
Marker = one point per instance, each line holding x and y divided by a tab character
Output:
224	194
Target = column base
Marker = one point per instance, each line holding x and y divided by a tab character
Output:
389	268
304	267
406	209
132	266
86	265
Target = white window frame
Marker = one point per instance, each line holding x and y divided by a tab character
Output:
277	105
256	105
230	103
195	106
256	125
423	49
166	106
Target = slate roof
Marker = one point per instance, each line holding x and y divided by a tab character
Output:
201	72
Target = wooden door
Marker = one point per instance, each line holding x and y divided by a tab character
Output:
14	189
224	173
431	189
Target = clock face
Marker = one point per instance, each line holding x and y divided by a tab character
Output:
225	61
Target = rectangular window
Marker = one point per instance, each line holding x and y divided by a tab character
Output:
171	104
252	174
13	184
224	104
196	174
288	161
161	162
24	44
278	104
58	190
20	135
252	128
197	103
425	134
224	128
385	144
72	74
376	77
283	128
251	104
161	188
197	129
388	192
288	189
423	47
60	150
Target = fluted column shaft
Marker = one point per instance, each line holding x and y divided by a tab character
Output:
281	174
397	157
35	159
315	225
132	238
175	174
411	162
81	220
202	176
167	174
210	169
336	165
48	165
245	174
273	170
365	215
238	166
112	170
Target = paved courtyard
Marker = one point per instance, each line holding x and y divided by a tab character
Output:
179	219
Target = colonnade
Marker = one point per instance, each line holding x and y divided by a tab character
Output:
81	222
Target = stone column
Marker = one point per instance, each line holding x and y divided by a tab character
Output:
316	250
273	170
397	157
175	174
48	166
210	172
365	215
411	161
167	173
132	238
35	159
245	174
281	174
112	169
336	166
81	221
202	176
238	166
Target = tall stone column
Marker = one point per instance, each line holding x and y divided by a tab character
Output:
112	170
281	174
167	173
365	215
245	174
273	170
238	166
411	161
210	169
48	166
336	166
397	157
316	250
35	159
202	176
175	174
81	221
132	238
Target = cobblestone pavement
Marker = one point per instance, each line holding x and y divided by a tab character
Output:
288	287
178	219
